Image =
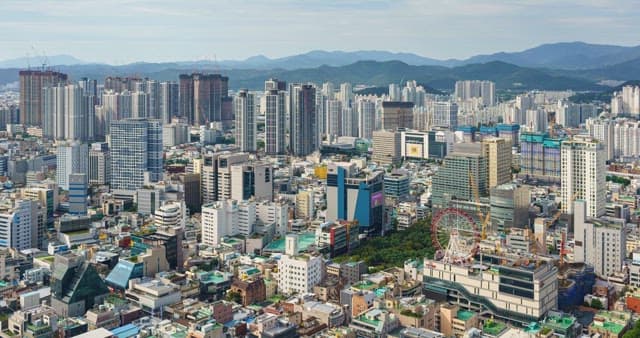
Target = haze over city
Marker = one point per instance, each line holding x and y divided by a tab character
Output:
118	32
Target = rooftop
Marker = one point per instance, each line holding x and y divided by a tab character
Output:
304	241
465	315
493	328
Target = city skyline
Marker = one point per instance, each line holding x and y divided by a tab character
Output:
165	31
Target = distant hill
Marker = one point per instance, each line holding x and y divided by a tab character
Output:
36	61
564	55
506	76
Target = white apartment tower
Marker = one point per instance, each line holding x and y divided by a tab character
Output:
583	174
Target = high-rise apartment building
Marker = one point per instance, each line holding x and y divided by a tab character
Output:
498	154
366	118
275	84
71	158
540	156
136	152
244	107
303	132
471	89
275	122
583	175
334	118
202	96
603	130
169	101
32	83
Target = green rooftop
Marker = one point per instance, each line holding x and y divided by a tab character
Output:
612	327
465	315
304	241
493	328
365	285
562	323
369	321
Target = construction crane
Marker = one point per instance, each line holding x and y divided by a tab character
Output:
481	218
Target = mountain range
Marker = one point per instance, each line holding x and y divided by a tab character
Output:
567	65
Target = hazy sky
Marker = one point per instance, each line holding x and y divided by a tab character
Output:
122	31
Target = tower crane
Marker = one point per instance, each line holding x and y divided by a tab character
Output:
484	219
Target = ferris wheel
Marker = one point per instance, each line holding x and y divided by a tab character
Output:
455	236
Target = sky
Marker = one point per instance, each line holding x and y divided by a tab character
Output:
124	31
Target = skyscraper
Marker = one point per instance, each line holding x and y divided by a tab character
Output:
366	118
275	122
78	194
136	151
31	84
583	175
444	114
71	158
334	118
303	133
244	108
202	96
169	101
396	115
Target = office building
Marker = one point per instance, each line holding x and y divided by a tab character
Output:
354	195
227	218
192	191
71	158
78	194
509	206
540	156
222	169
498	154
396	185
19	224
252	180
32	83
397	115
303	132
463	170
298	273
176	133
275	122
443	114
599	242
475	89
136	153
99	164
75	285
583	174
387	147
245	113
